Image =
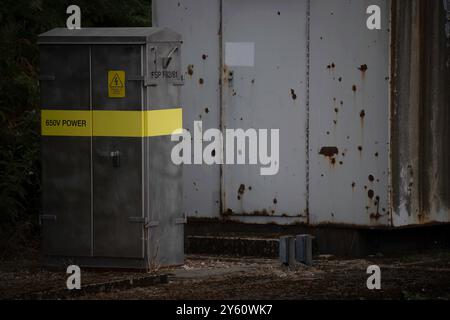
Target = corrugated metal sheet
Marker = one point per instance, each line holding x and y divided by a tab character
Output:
420	166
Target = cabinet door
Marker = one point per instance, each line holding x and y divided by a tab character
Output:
66	159
117	152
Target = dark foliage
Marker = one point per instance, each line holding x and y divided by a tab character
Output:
20	23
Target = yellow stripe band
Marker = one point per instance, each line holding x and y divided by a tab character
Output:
106	123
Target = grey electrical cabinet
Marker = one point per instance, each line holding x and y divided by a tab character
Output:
109	103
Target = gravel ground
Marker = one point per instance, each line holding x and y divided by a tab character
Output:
421	276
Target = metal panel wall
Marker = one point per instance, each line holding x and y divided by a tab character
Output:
349	114
163	180
166	237
346	98
352	190
198	21
269	92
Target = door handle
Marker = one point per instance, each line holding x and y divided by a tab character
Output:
115	157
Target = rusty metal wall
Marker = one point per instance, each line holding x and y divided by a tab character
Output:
420	165
369	116
349	114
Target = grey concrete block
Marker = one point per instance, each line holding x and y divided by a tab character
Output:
303	249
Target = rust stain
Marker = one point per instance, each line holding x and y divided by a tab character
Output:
201	81
293	95
190	69
228	212
329	151
362	114
262	213
354	88
363	68
241	189
375	216
331	66
225	74
370	194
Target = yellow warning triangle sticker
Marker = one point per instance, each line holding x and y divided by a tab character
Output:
116	82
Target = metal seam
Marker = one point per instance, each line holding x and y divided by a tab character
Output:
92	149
308	37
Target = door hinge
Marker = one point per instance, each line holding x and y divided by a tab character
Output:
152	224
137	220
144	221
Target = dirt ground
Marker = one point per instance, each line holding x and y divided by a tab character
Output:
419	276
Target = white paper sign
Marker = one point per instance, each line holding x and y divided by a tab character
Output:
240	54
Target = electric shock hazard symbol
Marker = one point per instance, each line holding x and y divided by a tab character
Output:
116	84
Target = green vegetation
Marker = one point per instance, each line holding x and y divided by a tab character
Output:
20	23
